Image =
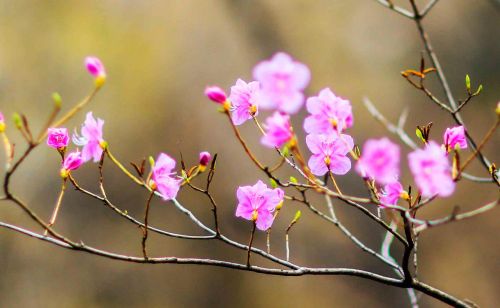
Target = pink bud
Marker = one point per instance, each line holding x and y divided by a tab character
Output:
95	67
2	119
205	158
71	162
216	94
57	138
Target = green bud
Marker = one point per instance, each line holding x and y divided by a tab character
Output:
151	161
467	83
419	134
56	97
273	183
18	122
293	180
184	174
297	216
479	89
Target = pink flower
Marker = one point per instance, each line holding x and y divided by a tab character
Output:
391	194
95	67
379	160
329	153
163	177
278	130
205	158
454	137
91	139
244	100
282	80
71	162
431	171
329	114
257	203
57	138
216	94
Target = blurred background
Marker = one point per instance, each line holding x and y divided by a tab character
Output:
159	56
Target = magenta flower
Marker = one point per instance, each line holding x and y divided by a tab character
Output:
329	114
257	203
454	138
57	138
278	130
431	171
90	139
391	194
329	153
163	177
72	161
379	160
282	80
244	100
205	158
95	67
216	94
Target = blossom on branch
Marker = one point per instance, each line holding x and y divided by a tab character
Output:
163	178
71	162
96	69
282	81
391	194
57	138
379	160
328	114
278	130
329	153
258	203
216	94
91	138
431	171
454	138
244	99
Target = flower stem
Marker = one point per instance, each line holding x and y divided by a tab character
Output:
119	165
250	243
145	229
57	207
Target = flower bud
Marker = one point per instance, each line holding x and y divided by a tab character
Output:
2	123
204	160
216	94
71	162
57	138
96	69
498	109
56	97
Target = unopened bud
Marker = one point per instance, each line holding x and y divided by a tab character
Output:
57	100
216	94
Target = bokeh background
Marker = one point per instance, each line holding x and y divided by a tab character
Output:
159	56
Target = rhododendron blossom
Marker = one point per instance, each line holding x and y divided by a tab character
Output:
216	94
431	170
95	67
72	161
57	138
258	203
244	101
282	82
379	160
163	177
329	153
454	138
391	194
278	130
90	139
329	113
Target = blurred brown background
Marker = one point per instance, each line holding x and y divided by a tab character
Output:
159	56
